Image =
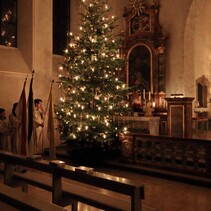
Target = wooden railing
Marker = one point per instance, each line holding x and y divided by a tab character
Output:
97	189
24	201
184	155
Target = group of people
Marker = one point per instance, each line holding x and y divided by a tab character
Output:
10	130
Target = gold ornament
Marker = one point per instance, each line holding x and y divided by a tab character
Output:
138	6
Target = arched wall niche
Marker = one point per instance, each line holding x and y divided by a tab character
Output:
202	91
144	49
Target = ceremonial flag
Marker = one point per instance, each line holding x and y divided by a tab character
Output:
22	115
50	126
30	110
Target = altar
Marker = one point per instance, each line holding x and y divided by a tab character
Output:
140	124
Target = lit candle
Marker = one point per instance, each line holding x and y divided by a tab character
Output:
149	95
153	104
140	99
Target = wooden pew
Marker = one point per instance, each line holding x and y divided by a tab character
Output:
96	189
24	201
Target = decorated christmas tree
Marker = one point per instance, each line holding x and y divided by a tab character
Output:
92	93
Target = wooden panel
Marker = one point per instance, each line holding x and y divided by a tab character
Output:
177	120
179	116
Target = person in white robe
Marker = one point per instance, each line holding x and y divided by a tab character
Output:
38	127
15	135
5	131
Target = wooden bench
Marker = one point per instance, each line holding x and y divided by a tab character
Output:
24	201
69	186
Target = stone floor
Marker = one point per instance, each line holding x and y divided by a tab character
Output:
166	195
160	194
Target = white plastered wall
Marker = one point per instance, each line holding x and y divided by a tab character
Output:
197	45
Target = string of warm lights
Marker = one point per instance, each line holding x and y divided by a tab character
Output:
92	92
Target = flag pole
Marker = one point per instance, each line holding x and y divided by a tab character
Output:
50	129
30	116
24	144
25	81
22	116
46	107
44	113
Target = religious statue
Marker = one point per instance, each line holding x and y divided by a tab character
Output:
148	109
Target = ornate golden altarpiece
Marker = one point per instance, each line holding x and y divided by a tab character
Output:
144	49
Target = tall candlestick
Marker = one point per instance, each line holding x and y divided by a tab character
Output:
144	94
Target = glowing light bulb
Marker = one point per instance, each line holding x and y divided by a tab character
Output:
125	130
83	88
71	45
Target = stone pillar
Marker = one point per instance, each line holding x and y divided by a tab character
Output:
42	36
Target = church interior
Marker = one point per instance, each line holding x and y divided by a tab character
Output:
167	49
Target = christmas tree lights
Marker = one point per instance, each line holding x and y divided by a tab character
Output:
92	93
